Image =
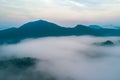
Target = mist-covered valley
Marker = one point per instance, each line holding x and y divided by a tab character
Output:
61	58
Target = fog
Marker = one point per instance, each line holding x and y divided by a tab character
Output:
69	58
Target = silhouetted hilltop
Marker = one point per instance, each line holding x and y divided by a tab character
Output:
105	43
43	28
95	26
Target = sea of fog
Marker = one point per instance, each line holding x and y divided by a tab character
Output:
66	58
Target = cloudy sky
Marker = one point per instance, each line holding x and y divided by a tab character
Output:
14	13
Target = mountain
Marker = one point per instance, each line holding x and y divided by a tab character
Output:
43	28
95	26
105	43
3	28
111	26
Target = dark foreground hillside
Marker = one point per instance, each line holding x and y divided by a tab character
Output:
21	69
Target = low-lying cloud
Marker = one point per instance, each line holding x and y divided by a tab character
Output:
70	58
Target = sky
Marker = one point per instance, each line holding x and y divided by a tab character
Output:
14	13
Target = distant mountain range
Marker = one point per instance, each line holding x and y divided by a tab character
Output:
43	28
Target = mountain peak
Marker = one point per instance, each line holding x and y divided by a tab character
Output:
39	24
95	26
41	21
80	26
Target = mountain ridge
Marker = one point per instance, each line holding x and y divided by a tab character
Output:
42	28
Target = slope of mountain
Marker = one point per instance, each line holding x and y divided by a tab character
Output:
111	26
95	26
3	28
43	28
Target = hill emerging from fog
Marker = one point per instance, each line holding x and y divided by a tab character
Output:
43	28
